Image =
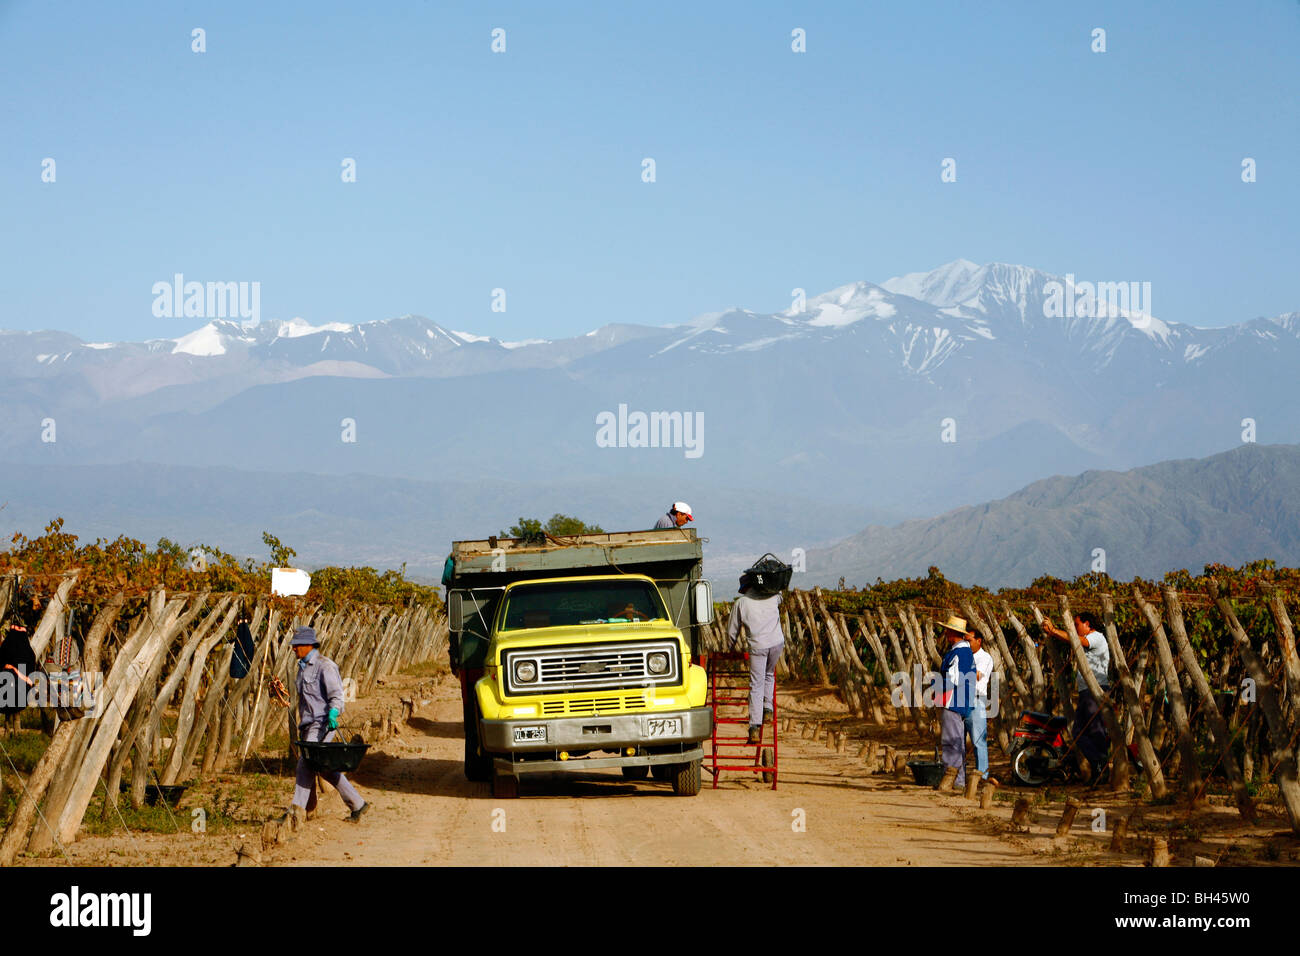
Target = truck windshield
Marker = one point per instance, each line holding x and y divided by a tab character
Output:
581	602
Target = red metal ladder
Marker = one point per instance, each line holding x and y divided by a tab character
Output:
729	698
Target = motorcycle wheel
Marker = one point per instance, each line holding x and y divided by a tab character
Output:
1031	764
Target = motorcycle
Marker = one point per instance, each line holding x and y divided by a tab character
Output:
1040	753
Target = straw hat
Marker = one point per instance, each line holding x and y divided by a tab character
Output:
955	623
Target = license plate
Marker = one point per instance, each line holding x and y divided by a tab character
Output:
664	727
535	733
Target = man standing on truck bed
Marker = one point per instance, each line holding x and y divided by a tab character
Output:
761	616
677	516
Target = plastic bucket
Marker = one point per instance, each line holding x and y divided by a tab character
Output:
927	773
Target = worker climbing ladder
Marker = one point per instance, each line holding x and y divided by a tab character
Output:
729	698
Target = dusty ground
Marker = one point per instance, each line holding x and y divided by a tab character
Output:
423	811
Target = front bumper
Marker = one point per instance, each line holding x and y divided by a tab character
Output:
506	765
611	732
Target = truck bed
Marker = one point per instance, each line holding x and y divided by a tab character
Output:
581	554
672	557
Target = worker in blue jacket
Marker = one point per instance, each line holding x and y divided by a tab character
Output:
320	702
958	672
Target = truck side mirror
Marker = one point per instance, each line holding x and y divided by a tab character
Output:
455	611
703	602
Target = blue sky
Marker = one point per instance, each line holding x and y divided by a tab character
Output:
522	170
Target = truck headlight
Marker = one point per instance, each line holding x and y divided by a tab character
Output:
525	671
657	663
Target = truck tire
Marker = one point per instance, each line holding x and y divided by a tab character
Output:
505	786
686	778
478	765
635	773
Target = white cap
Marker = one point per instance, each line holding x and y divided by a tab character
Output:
682	507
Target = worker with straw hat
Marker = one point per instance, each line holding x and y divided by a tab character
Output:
958	672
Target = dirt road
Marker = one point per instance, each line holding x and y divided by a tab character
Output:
825	812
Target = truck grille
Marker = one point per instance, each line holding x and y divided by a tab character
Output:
592	667
583	706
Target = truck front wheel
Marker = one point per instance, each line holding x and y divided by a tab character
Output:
478	765
686	778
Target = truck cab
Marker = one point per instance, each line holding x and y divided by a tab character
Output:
577	654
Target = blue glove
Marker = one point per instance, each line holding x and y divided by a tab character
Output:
334	718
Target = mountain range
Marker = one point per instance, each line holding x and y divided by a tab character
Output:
879	403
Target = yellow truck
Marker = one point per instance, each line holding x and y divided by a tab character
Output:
580	653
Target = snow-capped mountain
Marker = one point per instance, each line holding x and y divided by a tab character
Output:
1039	374
922	318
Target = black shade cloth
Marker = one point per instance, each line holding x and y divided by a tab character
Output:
242	659
16	651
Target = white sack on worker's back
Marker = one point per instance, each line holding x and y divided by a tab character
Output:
289	581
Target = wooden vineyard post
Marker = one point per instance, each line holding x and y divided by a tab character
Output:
1067	818
1218	726
257	703
212	726
1283	743
236	698
7	585
1286	642
15	836
141	716
224	613
1059	669
66	775
873	641
1120	833
814	640
1131	701
1038	685
924	637
281	659
121	686
871	692
1119	769
850	667
1160	852
989	628
1191	771
975	622
913	639
1020	814
900	660
908	713
57	606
